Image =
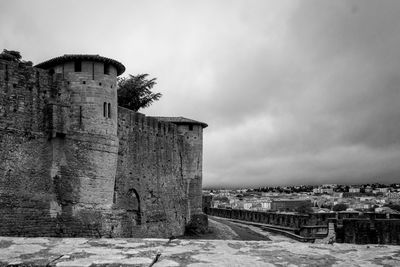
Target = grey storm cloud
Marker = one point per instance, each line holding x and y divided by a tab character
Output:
330	103
294	92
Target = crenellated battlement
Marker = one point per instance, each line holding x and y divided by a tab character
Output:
141	122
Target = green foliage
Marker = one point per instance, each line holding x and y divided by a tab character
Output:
10	55
197	226
372	209
393	206
304	209
14	56
134	92
339	207
222	199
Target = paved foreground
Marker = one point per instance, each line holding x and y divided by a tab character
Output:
162	252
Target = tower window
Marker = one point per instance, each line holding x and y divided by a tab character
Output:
107	110
106	68
190	127
80	115
78	66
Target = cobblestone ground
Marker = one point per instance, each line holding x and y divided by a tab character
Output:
178	252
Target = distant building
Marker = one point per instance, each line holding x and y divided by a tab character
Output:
323	190
393	197
338	194
383	190
327	190
329	185
354	190
266	205
247	205
317	191
368	189
289	204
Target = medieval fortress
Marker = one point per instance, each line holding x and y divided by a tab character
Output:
73	163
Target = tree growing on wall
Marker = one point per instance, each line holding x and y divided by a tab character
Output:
393	206
134	92
340	207
304	209
14	56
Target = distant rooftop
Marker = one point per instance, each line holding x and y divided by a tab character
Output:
180	120
71	57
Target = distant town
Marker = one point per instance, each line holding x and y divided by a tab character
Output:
378	198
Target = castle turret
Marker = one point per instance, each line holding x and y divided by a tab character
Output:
85	154
92	81
192	151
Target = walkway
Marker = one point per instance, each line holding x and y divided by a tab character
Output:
161	252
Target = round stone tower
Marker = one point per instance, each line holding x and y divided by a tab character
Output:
192	132
192	161
85	156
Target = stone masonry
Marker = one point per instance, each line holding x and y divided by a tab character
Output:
73	163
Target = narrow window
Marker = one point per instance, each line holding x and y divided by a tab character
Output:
106	68
93	71
6	78
109	110
190	127
78	66
80	115
104	109
60	135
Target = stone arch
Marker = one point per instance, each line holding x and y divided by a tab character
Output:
133	204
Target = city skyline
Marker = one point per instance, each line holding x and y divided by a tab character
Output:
293	92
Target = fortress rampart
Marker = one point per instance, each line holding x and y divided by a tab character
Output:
370	228
73	163
150	184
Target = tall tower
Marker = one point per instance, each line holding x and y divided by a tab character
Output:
85	154
192	155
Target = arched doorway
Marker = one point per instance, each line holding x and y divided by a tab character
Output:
133	205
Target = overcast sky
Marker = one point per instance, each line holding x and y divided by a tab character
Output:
294	92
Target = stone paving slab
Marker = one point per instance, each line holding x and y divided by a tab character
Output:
178	252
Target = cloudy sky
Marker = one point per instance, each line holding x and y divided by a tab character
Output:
294	92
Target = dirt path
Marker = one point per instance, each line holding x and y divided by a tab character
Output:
226	230
243	232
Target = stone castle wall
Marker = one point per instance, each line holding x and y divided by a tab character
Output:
370	228
365	231
150	184
28	202
295	221
65	172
